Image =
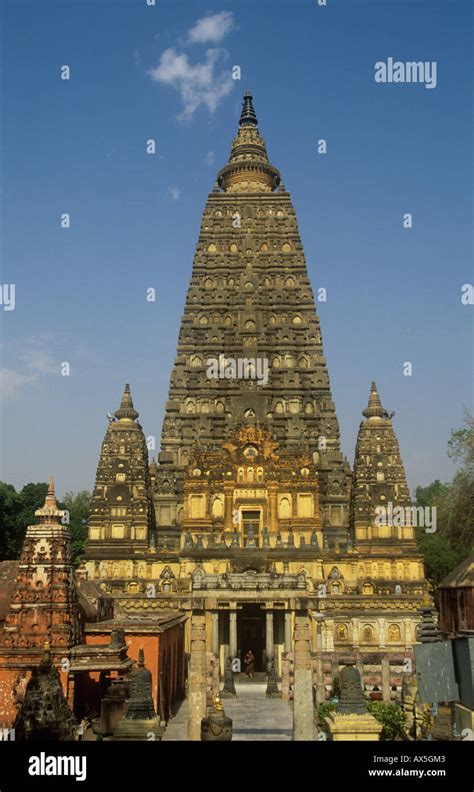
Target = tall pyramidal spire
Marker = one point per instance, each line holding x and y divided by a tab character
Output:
250	298
122	515
379	481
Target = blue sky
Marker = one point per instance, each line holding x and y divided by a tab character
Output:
140	72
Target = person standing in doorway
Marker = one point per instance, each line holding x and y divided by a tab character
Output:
249	661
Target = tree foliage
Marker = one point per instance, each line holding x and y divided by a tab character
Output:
17	511
453	539
78	506
391	716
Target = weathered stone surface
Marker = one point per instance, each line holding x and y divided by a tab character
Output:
303	712
352	700
44	713
140	721
228	690
122	514
197	684
272	690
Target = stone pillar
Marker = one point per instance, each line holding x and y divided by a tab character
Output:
320	686
269	650
355	634
303	717
233	633
197	684
385	678
360	668
228	492
272	508
215	632
287	631
329	635
381	623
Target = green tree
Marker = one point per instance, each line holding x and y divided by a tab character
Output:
78	506
324	710
9	508
391	716
453	539
460	508
17	511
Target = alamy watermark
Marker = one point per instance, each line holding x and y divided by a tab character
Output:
406	72
43	764
7	296
399	516
238	368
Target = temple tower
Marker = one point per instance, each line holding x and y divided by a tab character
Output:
381	505
250	304
250	488
43	607
121	517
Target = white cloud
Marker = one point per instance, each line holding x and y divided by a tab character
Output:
29	361
211	28
210	158
198	84
38	360
12	382
175	193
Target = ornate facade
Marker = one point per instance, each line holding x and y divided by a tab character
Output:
43	607
251	517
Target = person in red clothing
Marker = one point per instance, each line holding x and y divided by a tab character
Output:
249	661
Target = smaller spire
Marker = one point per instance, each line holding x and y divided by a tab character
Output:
126	410
248	116
49	512
374	407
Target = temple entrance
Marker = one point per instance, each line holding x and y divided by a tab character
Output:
251	634
251	526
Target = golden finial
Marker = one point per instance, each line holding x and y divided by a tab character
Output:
49	512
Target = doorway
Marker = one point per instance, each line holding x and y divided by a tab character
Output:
251	634
251	526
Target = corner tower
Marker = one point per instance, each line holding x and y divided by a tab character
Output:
43	606
250	299
121	516
381	505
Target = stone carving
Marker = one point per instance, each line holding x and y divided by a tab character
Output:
44	713
260	581
140	723
140	704
272	690
352	700
229	684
